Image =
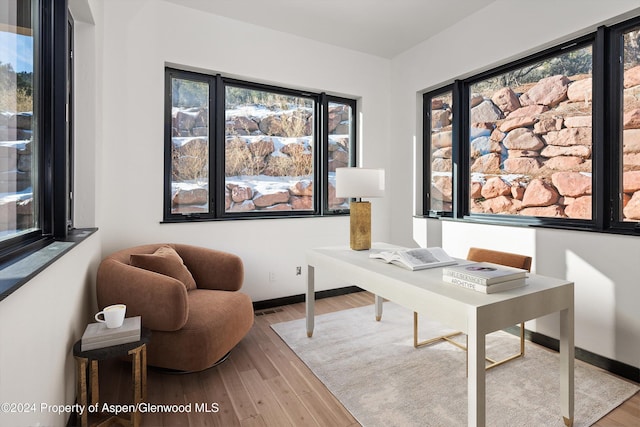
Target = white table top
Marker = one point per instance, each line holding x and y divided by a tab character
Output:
425	291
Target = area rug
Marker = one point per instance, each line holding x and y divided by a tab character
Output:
374	371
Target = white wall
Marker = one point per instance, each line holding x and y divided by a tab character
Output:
604	267
38	325
138	38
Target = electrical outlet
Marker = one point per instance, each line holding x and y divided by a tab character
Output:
298	271
272	276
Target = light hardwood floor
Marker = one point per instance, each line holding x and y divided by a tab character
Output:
263	383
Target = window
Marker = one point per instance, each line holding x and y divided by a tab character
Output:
530	139
18	167
439	134
34	132
189	148
629	208
236	149
269	160
546	140
340	144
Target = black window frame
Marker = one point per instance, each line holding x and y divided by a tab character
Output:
53	146
613	39
352	103
427	161
220	147
51	129
217	88
606	43
171	73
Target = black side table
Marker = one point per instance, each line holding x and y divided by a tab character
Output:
137	349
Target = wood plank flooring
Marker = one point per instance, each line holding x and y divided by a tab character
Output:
263	383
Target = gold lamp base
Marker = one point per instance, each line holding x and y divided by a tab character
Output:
360	225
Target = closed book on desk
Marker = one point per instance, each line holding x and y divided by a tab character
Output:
487	289
97	335
484	273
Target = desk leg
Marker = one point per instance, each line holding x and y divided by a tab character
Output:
567	353
310	300
378	303
476	381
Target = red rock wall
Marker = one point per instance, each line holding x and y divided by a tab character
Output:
532	154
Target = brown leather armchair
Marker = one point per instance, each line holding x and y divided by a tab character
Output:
195	322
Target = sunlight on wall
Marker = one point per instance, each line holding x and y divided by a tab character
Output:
457	238
595	308
420	231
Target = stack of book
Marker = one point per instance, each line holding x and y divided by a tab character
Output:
97	335
485	277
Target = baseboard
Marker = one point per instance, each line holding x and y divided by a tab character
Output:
615	367
277	302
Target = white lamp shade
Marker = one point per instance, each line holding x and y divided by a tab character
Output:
359	182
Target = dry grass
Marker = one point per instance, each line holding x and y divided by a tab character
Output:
239	160
16	101
190	161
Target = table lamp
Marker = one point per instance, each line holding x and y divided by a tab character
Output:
358	183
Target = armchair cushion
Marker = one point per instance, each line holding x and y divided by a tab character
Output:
165	260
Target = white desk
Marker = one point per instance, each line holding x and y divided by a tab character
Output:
474	313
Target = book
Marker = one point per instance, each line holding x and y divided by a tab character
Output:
487	289
97	335
414	259
484	273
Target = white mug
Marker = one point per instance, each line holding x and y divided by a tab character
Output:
113	315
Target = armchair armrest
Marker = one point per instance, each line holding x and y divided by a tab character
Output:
212	269
160	300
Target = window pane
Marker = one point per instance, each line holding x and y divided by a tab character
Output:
340	148
269	144
441	114
17	146
190	146
631	133
530	139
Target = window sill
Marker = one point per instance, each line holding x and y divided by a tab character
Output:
536	223
187	219
18	270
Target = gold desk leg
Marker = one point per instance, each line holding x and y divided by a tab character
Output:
567	421
492	363
81	388
447	337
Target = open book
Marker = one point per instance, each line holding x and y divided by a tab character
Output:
414	259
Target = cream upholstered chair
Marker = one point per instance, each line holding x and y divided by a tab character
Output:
483	255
